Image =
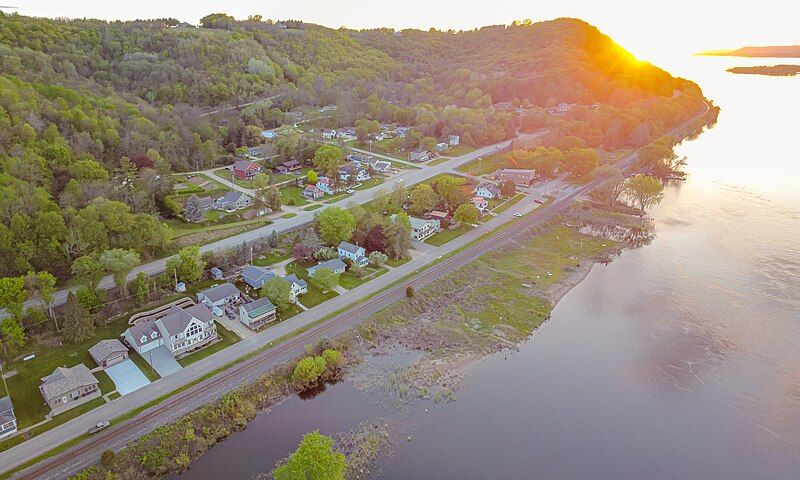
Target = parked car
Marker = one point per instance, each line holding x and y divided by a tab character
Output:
97	427
350	191
399	180
518	214
539	201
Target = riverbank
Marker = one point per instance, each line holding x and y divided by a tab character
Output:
492	303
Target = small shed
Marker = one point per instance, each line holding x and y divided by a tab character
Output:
216	273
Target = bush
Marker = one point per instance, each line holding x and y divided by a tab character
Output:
409	291
356	271
378	259
108	459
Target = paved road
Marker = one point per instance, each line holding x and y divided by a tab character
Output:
225	109
348	317
303	218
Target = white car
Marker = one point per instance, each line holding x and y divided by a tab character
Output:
518	214
350	191
400	180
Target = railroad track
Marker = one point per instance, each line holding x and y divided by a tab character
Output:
296	345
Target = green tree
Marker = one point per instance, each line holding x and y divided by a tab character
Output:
138	288
645	190
272	199
423	199
78	323
335	224
120	262
314	459
13	295
508	189
378	259
397	235
466	214
279	292
312	176
325	279
188	266
308	371
42	285
612	186
581	161
88	271
450	192
365	128
328	159
12	338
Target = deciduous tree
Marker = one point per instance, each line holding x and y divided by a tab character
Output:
120	262
335	224
314	459
645	190
325	279
279	292
466	214
423	199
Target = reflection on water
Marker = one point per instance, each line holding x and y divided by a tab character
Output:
680	359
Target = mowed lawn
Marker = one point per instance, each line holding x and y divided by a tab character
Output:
350	281
227	338
315	296
293	195
439	239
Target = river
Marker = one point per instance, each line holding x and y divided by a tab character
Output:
680	359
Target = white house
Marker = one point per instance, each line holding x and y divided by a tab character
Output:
234	201
181	330
8	421
355	253
419	155
298	286
454	140
487	190
353	171
313	192
258	313
441	147
421	228
220	295
480	203
328	133
325	185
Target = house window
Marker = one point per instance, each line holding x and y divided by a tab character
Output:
7	426
194	330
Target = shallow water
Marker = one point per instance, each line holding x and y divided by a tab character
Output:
680	359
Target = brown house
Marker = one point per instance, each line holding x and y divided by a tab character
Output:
67	388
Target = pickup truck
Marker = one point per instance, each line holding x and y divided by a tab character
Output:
97	427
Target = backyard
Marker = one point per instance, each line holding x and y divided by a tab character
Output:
293	195
439	239
226	339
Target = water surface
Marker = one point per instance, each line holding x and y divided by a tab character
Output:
680	359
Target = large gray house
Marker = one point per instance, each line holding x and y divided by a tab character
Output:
67	388
8	421
180	331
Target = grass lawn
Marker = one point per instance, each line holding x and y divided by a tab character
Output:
227	338
145	367
484	165
336	197
459	150
292	195
437	161
314	296
439	239
114	395
289	215
349	281
372	182
273	256
229	176
310	208
396	263
508	203
180	228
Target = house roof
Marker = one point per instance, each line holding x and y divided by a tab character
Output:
145	329
516	170
245	165
105	348
206	201
335	264
258	307
255	276
177	319
418	223
64	380
477	199
216	271
349	247
438	214
232	197
291	163
490	187
6	405
220	292
294	280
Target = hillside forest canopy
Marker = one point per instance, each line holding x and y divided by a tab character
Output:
97	116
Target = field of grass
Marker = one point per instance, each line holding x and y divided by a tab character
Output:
372	182
396	263
272	257
181	228
314	296
438	160
439	239
508	203
229	176
227	338
145	367
293	195
23	387
311	208
459	150
483	165
349	281
289	215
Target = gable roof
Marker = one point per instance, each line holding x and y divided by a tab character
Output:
177	319
232	197
105	348
205	201
335	264
258	307
245	165
349	247
254	275
64	380
295	281
419	223
220	292
144	329
6	405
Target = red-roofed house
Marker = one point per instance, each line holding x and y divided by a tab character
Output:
245	169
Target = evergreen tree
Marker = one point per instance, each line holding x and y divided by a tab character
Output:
78	323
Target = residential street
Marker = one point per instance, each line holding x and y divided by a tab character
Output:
303	217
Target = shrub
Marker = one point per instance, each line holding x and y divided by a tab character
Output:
409	291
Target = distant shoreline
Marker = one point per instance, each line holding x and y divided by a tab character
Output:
772	71
788	51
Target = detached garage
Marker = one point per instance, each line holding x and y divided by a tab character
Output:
109	352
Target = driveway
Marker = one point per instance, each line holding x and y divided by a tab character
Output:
162	360
127	377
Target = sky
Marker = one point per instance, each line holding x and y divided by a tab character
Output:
651	31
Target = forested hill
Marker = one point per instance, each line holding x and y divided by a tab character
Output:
94	115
